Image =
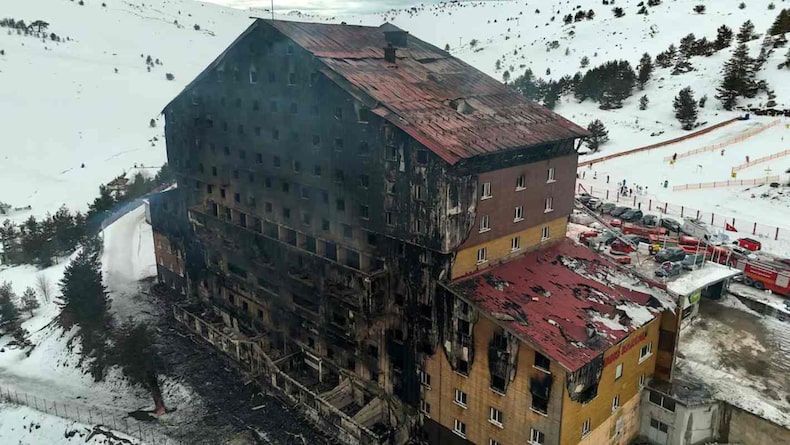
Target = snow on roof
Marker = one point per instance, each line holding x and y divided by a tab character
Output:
709	273
566	301
740	356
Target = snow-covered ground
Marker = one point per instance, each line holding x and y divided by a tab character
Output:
51	370
22	425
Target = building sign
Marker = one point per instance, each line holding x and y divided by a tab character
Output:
625	347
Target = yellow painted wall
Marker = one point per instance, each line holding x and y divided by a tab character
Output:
499	249
515	404
605	433
599	410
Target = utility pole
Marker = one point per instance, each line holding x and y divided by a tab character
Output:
272	9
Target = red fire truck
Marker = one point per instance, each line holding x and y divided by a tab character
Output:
766	275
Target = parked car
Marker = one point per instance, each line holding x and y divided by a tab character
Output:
584	197
607	207
744	252
670	224
614	222
617	211
650	220
581	218
594	203
632	215
670	254
668	269
585	236
691	261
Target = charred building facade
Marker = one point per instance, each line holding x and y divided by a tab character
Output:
339	182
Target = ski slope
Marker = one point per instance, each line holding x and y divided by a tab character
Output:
69	107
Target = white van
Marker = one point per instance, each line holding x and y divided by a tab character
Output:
700	230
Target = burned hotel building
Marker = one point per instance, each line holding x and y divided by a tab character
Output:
377	230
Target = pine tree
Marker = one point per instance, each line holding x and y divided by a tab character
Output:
723	37
685	108
447	47
737	78
10	241
672	52
584	62
618	12
687	45
663	60
682	66
782	23
702	101
506	76
85	302
29	300
645	70
9	313
746	32
551	95
136	354
643	102
599	135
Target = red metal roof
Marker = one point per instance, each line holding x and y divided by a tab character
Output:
423	91
565	300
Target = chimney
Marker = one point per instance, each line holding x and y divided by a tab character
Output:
389	53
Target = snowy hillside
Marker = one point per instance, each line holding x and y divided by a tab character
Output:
519	34
69	107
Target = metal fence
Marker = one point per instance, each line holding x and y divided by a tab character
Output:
742	137
728	183
89	415
646	203
746	165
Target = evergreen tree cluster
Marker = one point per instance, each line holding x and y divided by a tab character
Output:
38	242
10	317
608	84
136	353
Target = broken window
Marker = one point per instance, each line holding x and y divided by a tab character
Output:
286	212
273	106
540	388
256	105
286	187
388	219
338	144
317	170
352	258
364	181
297	166
347	231
316	140
330	250
340	176
242	219
498	383
291	79
236	270
306	219
338	113
309	244
305	192
253	77
364	148
422	157
341	205
364	212
294	108
325	225
541	361
463	367
275	134
276	161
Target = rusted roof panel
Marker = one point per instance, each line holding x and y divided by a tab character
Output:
566	300
450	107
